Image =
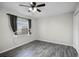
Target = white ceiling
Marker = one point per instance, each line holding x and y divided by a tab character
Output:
51	8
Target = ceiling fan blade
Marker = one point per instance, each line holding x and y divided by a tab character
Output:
24	5
34	3
38	10
41	5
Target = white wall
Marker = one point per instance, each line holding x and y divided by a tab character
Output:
56	29
76	28
7	39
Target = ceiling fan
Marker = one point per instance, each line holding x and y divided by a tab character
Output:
34	7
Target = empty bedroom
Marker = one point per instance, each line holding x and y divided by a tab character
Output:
39	29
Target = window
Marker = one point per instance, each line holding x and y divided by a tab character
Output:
20	25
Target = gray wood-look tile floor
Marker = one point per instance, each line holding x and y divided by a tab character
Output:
41	49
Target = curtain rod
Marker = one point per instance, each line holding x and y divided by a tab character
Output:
19	16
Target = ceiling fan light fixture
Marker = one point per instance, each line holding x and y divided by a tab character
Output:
33	9
31	3
30	9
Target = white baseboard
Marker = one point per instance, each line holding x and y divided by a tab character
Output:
16	46
52	41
